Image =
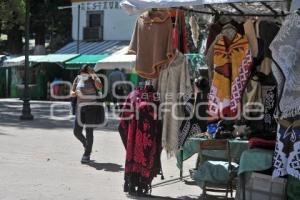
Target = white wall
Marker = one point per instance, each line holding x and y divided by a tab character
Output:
118	25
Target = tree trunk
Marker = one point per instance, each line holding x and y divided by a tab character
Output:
0	28
40	35
14	40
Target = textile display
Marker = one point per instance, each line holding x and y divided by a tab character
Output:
269	101
213	172
255	160
232	69
287	151
179	36
251	36
267	31
191	147
252	93
195	30
194	125
171	94
152	43
285	50
141	135
213	31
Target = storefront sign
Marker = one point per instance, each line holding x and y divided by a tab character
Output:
99	5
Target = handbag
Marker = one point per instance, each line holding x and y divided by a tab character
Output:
99	109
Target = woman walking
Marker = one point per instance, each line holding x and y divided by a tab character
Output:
85	89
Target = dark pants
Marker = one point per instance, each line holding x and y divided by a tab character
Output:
87	141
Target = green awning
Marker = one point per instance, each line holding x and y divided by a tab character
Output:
77	62
57	58
86	59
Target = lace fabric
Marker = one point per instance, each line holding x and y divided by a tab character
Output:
286	54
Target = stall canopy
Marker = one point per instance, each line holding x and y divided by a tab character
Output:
56	58
239	7
116	61
77	62
20	61
93	48
2	58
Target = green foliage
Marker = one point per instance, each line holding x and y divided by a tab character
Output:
12	13
47	20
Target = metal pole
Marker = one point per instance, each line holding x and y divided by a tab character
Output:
26	111
78	29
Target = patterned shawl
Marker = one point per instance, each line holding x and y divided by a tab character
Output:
286	54
287	151
232	69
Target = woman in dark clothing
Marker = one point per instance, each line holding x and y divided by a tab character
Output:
85	88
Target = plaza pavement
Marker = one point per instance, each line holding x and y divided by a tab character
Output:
39	160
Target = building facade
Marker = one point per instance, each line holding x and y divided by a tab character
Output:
101	20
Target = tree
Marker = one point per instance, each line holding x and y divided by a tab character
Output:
12	15
47	20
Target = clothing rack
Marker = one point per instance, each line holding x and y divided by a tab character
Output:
282	14
240	12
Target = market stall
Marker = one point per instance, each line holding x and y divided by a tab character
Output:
248	106
14	72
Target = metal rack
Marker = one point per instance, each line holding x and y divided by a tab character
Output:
264	9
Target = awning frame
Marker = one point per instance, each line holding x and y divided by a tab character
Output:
264	8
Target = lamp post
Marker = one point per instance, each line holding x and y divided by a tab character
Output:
26	111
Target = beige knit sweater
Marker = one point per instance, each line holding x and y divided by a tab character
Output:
173	83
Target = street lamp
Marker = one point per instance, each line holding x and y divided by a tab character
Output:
26	111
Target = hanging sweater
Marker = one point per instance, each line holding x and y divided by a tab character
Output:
152	43
173	83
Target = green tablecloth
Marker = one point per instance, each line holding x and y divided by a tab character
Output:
213	172
255	160
293	188
192	146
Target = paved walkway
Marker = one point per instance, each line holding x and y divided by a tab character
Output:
39	160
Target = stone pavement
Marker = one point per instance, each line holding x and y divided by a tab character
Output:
39	160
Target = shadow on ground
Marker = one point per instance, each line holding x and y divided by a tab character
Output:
108	167
10	116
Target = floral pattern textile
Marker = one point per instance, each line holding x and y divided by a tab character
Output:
141	134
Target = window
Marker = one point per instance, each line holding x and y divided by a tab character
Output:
95	19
